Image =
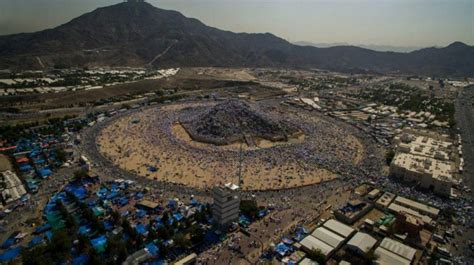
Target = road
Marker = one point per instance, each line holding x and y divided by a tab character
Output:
465	122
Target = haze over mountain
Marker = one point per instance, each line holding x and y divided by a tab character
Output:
379	48
139	34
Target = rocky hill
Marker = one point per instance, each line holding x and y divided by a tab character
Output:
139	34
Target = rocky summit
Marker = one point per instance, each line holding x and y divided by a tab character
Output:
236	121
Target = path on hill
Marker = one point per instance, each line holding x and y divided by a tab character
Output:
162	53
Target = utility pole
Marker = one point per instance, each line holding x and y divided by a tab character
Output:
241	158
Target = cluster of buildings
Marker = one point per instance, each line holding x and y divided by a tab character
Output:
427	160
373	226
75	80
11	187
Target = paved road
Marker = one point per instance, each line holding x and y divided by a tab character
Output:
465	122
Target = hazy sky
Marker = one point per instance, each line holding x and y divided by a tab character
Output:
383	22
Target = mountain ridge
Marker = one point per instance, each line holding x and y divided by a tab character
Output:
139	34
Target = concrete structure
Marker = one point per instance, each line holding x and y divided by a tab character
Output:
225	208
373	194
385	200
352	211
410	224
328	237
399	209
417	206
14	188
431	174
311	243
339	228
394	252
190	259
307	261
361	243
424	160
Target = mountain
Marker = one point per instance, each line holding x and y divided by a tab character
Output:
139	34
379	48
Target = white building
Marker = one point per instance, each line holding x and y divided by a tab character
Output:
361	243
392	252
226	204
424	160
328	238
14	189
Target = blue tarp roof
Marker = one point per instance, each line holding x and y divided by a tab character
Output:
282	249
178	217
172	203
80	260
108	225
211	237
35	241
42	229
45	172
78	191
10	255
84	230
152	249
49	235
25	168
141	229
140	213
112	195
8	243
123	201
99	243
39	161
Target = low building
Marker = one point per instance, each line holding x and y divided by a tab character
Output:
328	238
311	243
399	209
352	211
307	261
13	188
424	160
374	194
361	243
190	259
393	252
385	200
410	224
417	206
339	228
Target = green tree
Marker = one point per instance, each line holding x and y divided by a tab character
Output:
61	155
389	156
116	250
181	241
372	257
249	208
60	246
36	256
316	255
80	174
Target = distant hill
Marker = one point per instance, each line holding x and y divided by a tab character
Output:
379	48
139	34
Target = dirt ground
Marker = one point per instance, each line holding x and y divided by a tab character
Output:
5	163
140	144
